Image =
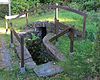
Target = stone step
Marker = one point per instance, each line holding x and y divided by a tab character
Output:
47	69
30	65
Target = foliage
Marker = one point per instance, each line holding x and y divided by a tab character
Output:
32	43
91	5
50	1
18	6
36	49
3	10
75	5
21	5
87	5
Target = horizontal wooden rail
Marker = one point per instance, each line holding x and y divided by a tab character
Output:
75	11
68	9
56	36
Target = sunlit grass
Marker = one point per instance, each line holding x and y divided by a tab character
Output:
67	20
3	31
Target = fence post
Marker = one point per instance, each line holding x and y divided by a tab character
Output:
71	41
56	19
84	26
11	36
6	24
57	11
22	69
71	36
26	17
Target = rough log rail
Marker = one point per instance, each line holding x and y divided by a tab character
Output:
22	52
69	9
25	14
75	11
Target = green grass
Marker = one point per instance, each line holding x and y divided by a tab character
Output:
81	46
29	75
81	62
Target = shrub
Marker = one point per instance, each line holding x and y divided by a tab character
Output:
20	5
86	4
3	10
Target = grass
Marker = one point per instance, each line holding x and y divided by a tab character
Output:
81	61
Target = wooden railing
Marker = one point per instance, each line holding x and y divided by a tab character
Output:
56	28
72	10
20	39
25	14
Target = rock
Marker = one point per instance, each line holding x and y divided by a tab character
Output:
30	65
54	51
48	69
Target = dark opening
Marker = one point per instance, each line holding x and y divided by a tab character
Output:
36	48
41	32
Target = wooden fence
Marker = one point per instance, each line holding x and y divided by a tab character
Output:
56	23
